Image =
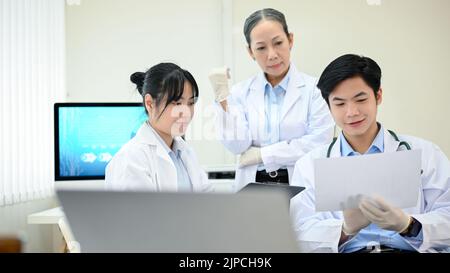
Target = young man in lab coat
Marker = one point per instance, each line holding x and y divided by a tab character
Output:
351	87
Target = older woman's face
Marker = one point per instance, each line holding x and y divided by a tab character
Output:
270	47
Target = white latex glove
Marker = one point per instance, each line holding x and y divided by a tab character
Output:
250	157
219	80
384	215
354	219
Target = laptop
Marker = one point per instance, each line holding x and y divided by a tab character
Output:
107	221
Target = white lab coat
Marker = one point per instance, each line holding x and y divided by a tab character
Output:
320	232
306	123
144	164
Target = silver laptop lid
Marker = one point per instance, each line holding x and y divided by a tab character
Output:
104	221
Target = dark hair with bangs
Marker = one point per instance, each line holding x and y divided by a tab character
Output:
164	81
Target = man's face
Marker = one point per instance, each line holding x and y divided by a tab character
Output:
354	106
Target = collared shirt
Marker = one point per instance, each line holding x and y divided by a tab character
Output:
372	234
273	100
273	103
183	179
376	147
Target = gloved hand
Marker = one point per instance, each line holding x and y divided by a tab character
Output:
250	157
384	215
354	219
219	80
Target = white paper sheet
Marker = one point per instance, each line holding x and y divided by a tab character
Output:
394	176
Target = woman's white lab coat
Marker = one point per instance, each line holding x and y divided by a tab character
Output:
144	164
320	232
305	124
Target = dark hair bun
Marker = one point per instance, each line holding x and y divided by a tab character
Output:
138	79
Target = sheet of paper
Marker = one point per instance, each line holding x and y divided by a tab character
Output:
394	176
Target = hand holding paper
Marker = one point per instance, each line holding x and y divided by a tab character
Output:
384	215
354	219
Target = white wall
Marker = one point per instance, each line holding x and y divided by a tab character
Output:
107	40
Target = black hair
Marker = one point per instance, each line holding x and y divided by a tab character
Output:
349	66
164	80
263	14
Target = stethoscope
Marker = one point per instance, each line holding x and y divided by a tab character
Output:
402	143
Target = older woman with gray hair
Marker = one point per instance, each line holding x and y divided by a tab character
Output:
275	117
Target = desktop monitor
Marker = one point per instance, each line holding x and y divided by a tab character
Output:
88	135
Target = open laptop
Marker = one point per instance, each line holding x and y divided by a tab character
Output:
103	221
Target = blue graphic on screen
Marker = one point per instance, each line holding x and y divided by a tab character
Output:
90	136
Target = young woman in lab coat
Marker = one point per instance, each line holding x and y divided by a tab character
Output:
351	86
157	158
275	117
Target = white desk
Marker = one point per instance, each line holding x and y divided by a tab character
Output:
56	217
50	216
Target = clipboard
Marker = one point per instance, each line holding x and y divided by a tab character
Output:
289	190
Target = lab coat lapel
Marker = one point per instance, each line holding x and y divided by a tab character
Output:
293	92
390	144
256	95
256	105
166	170
336	150
166	173
192	169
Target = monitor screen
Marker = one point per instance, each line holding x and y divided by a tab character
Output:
87	135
